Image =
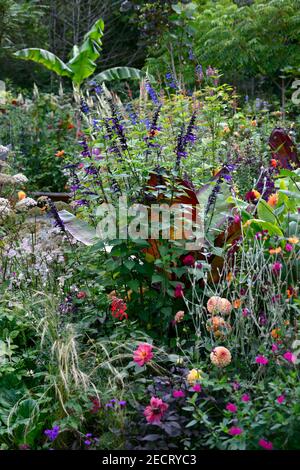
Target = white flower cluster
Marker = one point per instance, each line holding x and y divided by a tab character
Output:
5	207
39	255
26	203
20	178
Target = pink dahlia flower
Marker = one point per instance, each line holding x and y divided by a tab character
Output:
143	354
155	411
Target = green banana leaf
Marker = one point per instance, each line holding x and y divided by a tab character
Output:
46	58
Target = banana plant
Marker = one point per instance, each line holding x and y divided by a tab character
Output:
83	61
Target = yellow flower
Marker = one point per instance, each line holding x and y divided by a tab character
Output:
293	240
253	123
273	199
21	195
256	193
193	376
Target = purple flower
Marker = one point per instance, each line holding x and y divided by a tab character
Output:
52	433
122	403
151	93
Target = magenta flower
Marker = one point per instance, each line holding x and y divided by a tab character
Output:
276	268
235	431
290	357
155	411
280	399
197	388
231	407
274	347
261	360
143	354
245	398
288	247
178	394
188	260
178	292
245	312
265	444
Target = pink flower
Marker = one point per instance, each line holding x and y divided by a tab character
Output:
288	247
274	347
143	354
237	219
235	431
178	394
261	360
280	399
276	268
178	291
245	312
188	260
197	388
231	407
265	444
245	398
155	411
81	295
290	357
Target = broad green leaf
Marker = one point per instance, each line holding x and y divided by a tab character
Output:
265	212
83	62
46	58
119	73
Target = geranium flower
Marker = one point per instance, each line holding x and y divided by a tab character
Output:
197	388
178	394
155	411
231	407
143	354
220	356
118	307
290	357
262	360
288	247
235	431
280	399
274	347
245	398
265	444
